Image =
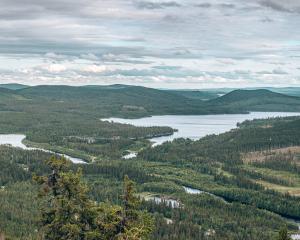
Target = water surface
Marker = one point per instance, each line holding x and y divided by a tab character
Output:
13	139
16	140
197	126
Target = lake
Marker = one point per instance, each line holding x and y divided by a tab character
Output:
193	127
197	126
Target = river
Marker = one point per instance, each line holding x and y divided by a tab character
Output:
16	140
188	126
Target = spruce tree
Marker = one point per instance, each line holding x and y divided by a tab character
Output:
67	213
283	234
136	224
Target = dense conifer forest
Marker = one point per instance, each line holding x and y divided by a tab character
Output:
250	184
68	119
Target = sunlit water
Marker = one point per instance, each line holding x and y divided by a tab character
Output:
197	126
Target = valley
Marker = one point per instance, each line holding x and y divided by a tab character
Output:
238	178
149	120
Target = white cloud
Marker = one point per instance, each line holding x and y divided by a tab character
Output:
95	68
54	68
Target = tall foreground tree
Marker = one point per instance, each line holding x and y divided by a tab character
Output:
283	234
135	224
68	213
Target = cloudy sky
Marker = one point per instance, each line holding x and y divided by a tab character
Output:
155	43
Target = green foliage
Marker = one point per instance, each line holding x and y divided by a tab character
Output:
212	164
135	224
256	100
68	213
283	234
18	211
67	119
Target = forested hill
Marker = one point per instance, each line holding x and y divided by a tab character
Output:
116	100
135	101
256	100
13	86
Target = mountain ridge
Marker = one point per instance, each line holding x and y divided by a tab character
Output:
137	101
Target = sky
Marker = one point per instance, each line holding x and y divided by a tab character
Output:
190	44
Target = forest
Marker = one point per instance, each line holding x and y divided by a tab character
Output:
250	184
68	119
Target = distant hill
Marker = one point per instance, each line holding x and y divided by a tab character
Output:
198	94
136	101
256	100
114	86
13	86
215	92
291	91
8	95
115	100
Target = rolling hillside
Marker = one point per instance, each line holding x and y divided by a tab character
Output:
256	100
134	101
13	86
116	100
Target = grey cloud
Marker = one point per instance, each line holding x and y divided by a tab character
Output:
221	5
227	5
274	5
266	20
157	5
131	59
203	5
274	72
282	6
18	9
167	67
279	72
89	56
264	72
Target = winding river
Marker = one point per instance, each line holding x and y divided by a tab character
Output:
193	127
16	140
